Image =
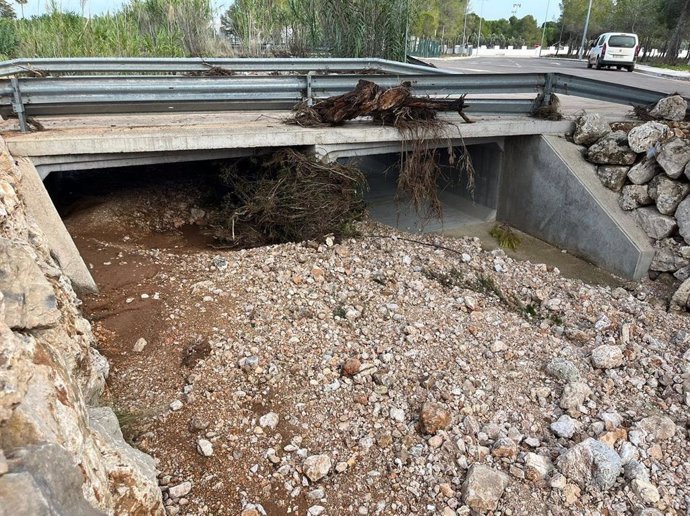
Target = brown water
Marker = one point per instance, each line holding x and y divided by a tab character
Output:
537	251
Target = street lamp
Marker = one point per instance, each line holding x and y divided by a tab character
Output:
481	18
543	32
584	34
464	29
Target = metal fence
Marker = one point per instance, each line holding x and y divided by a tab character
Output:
136	85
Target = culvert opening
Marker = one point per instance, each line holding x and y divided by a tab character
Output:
282	196
465	198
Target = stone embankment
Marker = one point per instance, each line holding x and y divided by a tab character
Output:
60	453
649	164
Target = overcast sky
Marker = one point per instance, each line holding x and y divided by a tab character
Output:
490	9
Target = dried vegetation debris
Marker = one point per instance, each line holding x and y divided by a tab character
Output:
421	175
395	107
286	197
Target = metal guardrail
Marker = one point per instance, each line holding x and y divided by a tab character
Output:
120	65
121	92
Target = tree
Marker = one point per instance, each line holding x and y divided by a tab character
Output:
678	33
6	10
574	13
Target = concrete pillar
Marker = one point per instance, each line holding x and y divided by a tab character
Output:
40	207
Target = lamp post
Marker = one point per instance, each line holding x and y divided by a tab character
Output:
407	28
543	32
464	28
481	18
584	34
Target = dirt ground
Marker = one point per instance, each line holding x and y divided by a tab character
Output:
235	336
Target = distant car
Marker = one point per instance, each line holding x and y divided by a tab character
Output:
614	49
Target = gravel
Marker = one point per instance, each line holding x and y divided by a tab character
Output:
404	378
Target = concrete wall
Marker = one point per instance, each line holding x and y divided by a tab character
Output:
461	207
549	191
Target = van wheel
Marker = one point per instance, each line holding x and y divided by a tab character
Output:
618	67
598	64
589	64
631	68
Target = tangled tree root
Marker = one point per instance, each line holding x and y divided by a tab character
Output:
392	106
288	197
642	112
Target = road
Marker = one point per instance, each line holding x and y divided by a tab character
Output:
569	66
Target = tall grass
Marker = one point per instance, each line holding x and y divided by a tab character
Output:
173	28
352	28
176	28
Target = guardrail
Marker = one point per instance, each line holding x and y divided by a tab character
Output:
120	92
173	65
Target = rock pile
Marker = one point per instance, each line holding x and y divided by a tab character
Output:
649	166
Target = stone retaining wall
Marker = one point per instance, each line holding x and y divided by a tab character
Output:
649	164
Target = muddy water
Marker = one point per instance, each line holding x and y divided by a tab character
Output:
537	251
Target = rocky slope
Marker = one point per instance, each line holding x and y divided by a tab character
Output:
59	452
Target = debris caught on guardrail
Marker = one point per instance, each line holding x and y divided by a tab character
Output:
213	71
550	111
394	106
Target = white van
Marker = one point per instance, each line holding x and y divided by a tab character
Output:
614	49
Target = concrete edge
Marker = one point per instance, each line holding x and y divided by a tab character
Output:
40	208
195	138
606	201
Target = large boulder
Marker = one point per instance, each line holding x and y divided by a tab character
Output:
645	136
589	128
683	219
674	155
644	171
42	479
612	176
656	225
612	149
483	488
668	256
667	193
681	299
30	301
634	196
670	108
591	464
131	473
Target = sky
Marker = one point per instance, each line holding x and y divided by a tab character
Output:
490	9
496	9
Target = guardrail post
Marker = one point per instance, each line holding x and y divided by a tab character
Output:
548	88
18	106
310	100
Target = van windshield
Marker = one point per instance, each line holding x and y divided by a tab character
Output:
622	41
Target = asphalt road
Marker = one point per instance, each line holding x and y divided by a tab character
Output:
569	66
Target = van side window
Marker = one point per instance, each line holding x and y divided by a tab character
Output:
601	40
